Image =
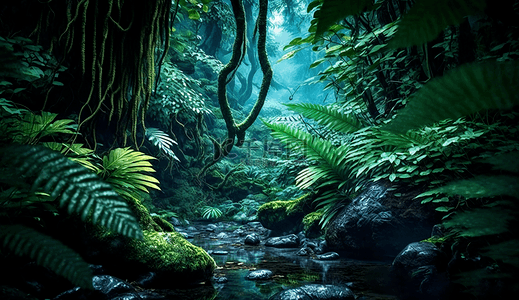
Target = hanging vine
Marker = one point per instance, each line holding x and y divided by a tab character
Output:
234	130
116	42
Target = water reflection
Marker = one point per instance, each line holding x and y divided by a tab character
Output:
290	270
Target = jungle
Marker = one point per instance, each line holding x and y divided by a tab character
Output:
259	149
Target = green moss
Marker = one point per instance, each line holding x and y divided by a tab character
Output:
311	224
163	224
168	252
276	213
312	219
143	215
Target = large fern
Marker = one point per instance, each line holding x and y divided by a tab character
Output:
47	252
466	90
328	167
75	187
331	117
125	169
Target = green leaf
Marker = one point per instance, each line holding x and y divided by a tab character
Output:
481	186
47	252
334	10
427	18
465	90
328	116
193	14
77	189
480	222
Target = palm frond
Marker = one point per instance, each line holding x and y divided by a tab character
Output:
47	252
34	127
125	169
161	140
466	90
427	19
331	117
77	189
209	212
74	152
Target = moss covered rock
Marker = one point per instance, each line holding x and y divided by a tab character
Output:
172	259
283	217
311	224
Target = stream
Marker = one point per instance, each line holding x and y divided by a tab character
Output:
224	242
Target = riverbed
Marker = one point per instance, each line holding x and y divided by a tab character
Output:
224	242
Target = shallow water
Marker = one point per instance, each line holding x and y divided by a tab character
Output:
368	279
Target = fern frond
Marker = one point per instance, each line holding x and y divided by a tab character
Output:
480	222
47	252
330	159
427	19
506	162
161	140
466	90
328	116
123	169
482	186
77	189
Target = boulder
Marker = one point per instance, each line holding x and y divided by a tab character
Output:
259	275
419	272
287	241
252	239
170	256
377	224
315	292
284	217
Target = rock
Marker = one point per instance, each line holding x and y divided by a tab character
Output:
259	275
418	272
315	292
222	235
239	232
175	222
305	251
377	224
284	217
252	239
287	241
211	227
111	286
328	256
168	254
220	280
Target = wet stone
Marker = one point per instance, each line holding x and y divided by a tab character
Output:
239	232
260	275
287	241
315	291
328	256
220	280
252	239
222	235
